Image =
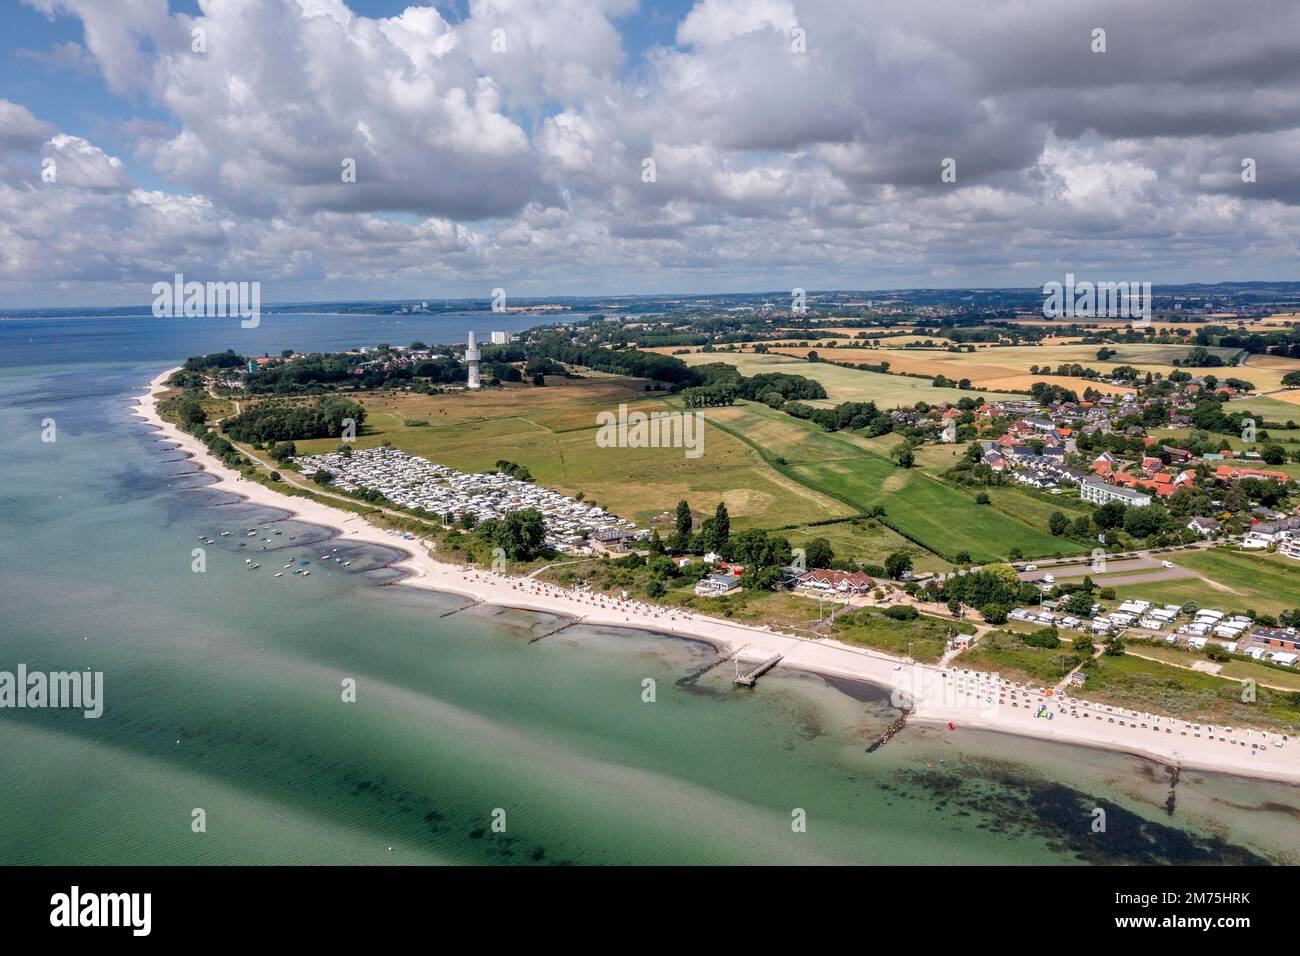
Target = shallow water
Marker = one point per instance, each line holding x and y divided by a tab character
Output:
224	692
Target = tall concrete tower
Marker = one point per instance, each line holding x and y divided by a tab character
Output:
471	359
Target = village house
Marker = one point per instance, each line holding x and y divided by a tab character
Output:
1264	534
1234	473
843	582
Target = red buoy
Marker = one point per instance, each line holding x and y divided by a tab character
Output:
951	725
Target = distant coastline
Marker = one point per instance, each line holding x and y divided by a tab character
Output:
941	696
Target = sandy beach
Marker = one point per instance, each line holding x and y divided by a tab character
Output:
951	696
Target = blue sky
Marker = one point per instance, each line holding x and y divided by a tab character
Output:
79	103
669	147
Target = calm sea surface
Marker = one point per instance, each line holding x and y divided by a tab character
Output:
223	689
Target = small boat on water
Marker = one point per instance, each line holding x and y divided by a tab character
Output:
225	534
297	571
305	573
279	574
347	564
288	566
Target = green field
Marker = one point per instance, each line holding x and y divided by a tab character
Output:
1272	409
867	541
553	430
1240	668
1004	652
1266	583
1147	685
935	515
926	637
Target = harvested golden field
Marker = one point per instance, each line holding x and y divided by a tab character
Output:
1007	367
841	384
1023	383
1273	361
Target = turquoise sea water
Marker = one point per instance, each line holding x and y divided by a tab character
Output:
223	692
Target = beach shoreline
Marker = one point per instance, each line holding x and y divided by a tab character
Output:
949	696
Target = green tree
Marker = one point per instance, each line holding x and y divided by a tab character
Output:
897	564
190	411
1058	523
818	553
684	520
522	534
1079	604
1048	637
994	613
721	527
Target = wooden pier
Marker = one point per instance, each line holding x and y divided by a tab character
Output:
748	680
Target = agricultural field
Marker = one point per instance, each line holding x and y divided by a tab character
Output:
1272	407
842	384
1006	368
552	431
1279	320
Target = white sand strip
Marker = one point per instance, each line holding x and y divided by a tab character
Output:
941	696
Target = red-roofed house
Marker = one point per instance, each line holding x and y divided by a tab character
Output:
1233	473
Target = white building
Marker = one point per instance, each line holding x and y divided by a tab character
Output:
1096	490
471	359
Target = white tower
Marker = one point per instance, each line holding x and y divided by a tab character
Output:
471	358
